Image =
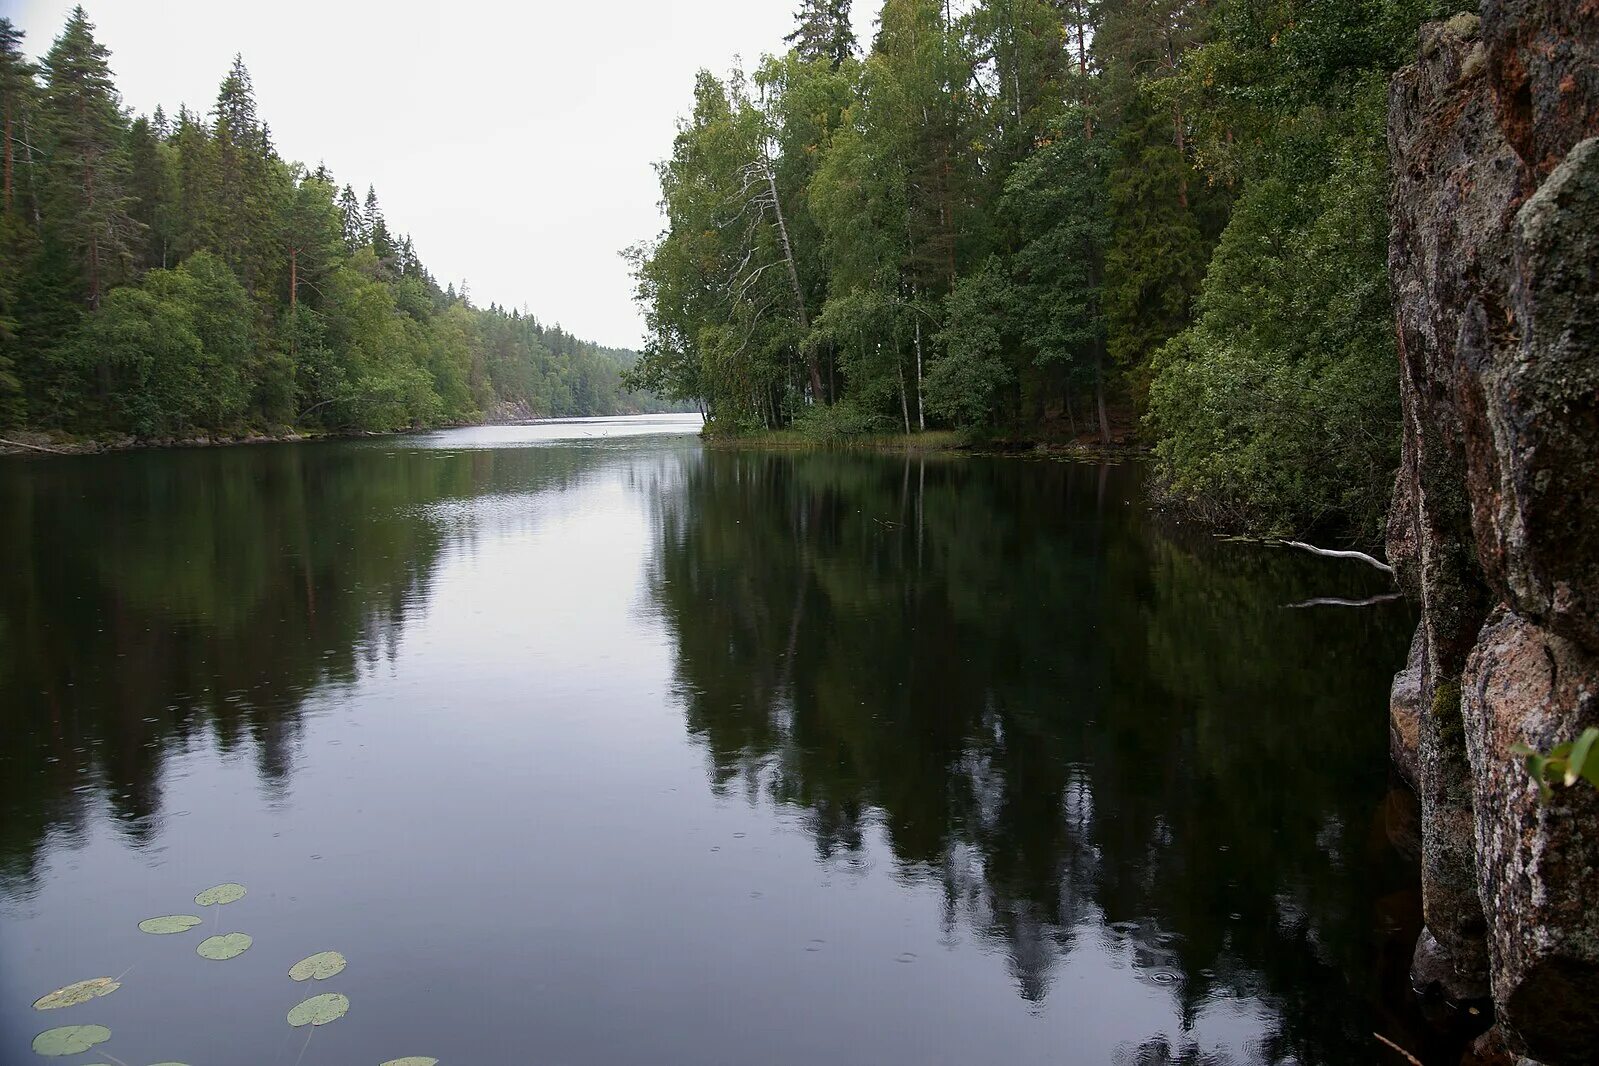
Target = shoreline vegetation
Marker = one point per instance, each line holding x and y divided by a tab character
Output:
33	442
172	277
1123	444
1003	215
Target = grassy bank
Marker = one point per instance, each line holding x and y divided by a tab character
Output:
945	441
938	440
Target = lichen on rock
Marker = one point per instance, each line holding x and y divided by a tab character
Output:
1494	263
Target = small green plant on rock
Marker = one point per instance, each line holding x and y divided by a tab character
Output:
1564	763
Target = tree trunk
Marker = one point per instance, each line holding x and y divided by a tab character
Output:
94	239
1082	70
294	299
921	411
33	192
904	403
793	280
1177	127
1099	396
8	153
1182	152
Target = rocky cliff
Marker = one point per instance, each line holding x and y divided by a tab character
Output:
1494	261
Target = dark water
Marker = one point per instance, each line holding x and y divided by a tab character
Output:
612	750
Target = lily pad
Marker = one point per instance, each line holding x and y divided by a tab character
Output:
224	893
227	946
412	1060
70	1039
318	967
169	923
319	1010
77	992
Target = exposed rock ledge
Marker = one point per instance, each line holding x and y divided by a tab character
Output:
1494	259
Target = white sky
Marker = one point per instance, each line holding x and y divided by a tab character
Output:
513	140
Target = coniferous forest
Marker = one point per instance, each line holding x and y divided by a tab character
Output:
1044	218
168	275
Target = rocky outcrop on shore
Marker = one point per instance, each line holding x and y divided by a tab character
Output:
1494	261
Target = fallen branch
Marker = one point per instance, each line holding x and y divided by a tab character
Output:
33	447
1335	601
1408	1056
1333	553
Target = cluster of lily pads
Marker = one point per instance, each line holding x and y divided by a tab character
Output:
318	1010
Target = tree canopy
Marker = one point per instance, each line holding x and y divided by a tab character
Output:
166	276
1045	218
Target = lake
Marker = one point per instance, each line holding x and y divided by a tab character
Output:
586	744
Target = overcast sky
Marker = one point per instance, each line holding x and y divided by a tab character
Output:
512	140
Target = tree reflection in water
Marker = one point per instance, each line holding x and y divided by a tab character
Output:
154	601
1079	721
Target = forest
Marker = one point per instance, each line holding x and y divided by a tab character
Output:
163	276
1054	219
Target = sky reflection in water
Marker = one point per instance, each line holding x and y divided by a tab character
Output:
587	747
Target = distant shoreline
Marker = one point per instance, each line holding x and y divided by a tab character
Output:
42	444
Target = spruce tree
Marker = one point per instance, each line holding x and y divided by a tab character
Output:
377	233
87	201
823	32
149	185
242	207
194	163
16	97
354	219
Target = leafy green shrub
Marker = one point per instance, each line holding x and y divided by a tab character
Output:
1278	409
842	421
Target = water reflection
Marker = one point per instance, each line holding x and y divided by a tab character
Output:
1013	717
1076	722
157	601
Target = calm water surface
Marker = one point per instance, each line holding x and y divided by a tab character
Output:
588	746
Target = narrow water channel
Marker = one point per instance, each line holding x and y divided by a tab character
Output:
587	745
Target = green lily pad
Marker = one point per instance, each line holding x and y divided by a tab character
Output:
319	1010
78	992
169	923
319	967
412	1060
222	948
70	1039
225	893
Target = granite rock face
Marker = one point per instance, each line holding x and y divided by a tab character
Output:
1538	864
1494	261
1404	715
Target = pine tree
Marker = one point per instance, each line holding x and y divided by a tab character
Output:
88	203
